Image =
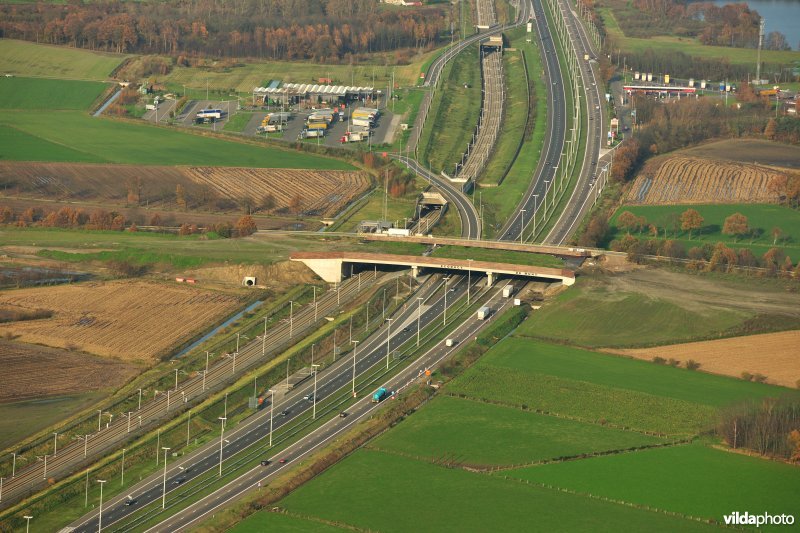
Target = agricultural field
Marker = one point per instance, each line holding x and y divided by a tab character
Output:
77	372
320	192
690	180
761	219
693	480
22	58
266	521
40	93
445	431
98	140
773	355
417	495
647	307
752	151
127	320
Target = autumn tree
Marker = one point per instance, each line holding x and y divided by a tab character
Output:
296	203
627	221
180	196
769	131
246	226
155	220
776	234
268	202
736	225
691	220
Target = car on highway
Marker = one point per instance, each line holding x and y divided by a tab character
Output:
343	414
285	412
406	329
130	501
308	397
178	481
283	460
266	462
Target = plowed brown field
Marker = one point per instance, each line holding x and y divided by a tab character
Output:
774	355
121	319
690	180
39	372
322	192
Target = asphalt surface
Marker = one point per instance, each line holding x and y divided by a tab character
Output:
154	411
590	178
370	357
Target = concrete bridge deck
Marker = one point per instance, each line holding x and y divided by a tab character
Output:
562	251
329	265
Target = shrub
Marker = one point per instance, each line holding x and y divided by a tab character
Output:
659	360
674	362
691	364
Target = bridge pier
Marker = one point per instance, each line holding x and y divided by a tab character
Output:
489	279
414	271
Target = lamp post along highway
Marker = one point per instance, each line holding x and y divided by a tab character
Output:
314	397
355	348
164	486
122	480
388	338
100	513
291	318
222	420
446	279
28	523
419	315
264	338
521	225
55	443
469	279
271	409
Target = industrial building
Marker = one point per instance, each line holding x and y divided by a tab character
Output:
298	93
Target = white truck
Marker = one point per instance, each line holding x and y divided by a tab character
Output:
484	312
362	122
508	290
351	137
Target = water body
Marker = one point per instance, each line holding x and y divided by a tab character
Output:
780	15
219	328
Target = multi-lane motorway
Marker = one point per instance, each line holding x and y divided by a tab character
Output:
255	429
191	391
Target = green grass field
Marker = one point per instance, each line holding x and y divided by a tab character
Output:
22	58
589	315
243	77
500	256
40	93
693	480
16	145
761	218
691	47
452	120
476	433
87	139
378	491
265	521
38	414
238	122
596	387
148	248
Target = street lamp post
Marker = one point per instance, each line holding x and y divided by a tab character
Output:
55	443
355	348
388	337
206	372
13	464
164	489
222	420
100	514
419	315
271	409
44	475
521	225
140	399
445	299
28	523
535	206
122	481
176	379
314	397
291	318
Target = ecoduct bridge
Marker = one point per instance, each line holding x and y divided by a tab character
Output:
330	265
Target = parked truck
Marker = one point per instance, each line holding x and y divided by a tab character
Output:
484	312
358	121
380	395
350	137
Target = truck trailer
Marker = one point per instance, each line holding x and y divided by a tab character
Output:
508	290
380	395
484	312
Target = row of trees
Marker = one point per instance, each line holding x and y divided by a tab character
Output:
736	225
769	427
100	219
323	30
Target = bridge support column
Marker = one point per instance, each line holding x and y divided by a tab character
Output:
489	279
414	271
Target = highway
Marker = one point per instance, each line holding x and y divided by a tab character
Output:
255	429
78	453
588	181
554	139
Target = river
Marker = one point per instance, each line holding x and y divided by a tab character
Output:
780	15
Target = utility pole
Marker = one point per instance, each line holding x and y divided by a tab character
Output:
355	348
222	420
164	489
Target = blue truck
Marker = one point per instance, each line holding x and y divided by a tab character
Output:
380	395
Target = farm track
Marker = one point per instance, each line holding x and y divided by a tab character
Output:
691	180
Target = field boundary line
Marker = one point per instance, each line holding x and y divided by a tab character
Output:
316	519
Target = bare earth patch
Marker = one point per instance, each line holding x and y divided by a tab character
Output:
774	355
125	319
66	372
